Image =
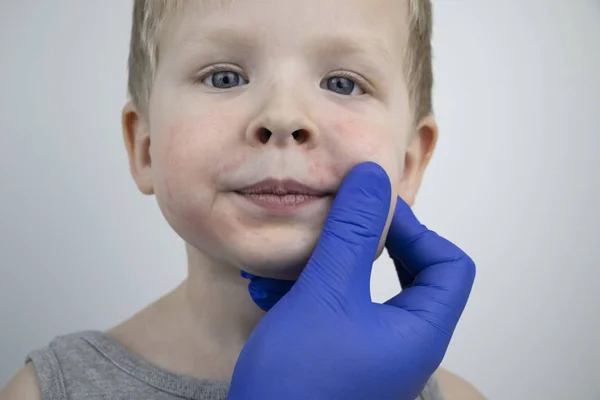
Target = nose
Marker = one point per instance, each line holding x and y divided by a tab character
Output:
282	121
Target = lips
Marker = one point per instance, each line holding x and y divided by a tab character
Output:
282	188
283	197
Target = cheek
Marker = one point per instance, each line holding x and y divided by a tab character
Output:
322	169
184	154
188	148
185	164
363	139
180	153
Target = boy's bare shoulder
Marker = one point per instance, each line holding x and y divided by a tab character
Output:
454	387
23	386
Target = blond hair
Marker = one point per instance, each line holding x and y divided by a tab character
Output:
150	15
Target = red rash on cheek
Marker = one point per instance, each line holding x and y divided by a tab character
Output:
351	129
187	146
319	169
363	140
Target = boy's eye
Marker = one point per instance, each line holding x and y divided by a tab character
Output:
343	85
224	80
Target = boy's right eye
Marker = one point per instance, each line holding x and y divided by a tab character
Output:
224	79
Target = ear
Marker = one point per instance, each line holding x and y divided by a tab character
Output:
418	153
137	141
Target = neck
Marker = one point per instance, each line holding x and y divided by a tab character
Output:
198	329
217	301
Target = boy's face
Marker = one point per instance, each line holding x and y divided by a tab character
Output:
286	94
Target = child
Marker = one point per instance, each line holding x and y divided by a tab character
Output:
244	118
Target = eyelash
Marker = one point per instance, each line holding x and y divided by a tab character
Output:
362	83
213	69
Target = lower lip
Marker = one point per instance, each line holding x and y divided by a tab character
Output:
282	204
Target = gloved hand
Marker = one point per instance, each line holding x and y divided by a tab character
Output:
326	339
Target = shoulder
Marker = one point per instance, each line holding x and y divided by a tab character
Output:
42	375
454	387
23	386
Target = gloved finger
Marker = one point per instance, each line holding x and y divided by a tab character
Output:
405	277
341	263
444	274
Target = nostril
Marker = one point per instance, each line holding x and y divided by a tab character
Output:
264	135
299	136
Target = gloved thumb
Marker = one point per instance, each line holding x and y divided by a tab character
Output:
342	261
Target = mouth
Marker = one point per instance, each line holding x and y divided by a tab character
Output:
282	196
286	187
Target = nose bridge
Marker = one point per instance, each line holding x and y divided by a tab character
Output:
283	111
284	116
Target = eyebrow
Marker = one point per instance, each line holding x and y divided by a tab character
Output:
340	45
347	45
221	36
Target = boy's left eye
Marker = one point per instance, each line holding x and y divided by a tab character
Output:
343	85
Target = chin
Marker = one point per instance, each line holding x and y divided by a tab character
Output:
282	257
280	253
283	264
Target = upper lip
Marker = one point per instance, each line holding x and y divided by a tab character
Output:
282	187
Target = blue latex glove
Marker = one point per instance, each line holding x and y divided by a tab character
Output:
266	292
326	339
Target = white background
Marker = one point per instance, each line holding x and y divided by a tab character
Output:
515	182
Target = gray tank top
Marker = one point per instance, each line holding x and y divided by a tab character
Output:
91	365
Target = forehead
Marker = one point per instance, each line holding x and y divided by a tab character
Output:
376	26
